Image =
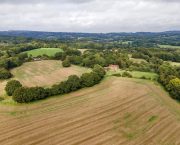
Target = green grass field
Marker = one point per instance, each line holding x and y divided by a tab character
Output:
174	63
137	60
136	74
169	46
42	51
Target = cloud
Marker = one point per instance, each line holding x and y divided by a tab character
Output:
43	1
90	15
78	1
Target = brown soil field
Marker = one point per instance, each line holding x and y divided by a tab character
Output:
45	73
118	111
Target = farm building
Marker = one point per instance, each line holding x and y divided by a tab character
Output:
112	68
37	59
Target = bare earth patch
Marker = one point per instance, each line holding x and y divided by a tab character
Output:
119	111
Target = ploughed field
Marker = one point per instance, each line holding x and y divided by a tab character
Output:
118	111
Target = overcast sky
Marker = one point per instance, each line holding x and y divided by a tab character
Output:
90	15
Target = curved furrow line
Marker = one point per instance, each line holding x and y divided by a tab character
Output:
104	111
90	120
21	124
172	132
70	96
68	100
156	129
94	122
140	140
67	137
173	138
105	139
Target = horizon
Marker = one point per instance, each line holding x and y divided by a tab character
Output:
88	32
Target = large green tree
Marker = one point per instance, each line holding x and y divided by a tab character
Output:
99	70
12	86
174	88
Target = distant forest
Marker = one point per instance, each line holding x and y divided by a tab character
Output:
138	39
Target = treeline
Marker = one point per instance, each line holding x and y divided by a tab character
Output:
12	56
169	77
15	55
164	54
24	94
92	57
8	63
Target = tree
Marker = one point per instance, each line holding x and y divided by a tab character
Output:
87	80
71	52
90	79
88	62
174	88
25	95
12	86
60	56
99	60
66	63
99	70
74	82
126	74
4	63
166	73
23	56
5	74
75	59
96	77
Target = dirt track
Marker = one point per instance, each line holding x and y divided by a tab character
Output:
116	112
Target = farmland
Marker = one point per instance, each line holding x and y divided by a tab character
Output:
43	73
174	63
169	46
95	91
44	51
136	74
119	111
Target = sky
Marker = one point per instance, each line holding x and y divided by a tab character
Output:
90	15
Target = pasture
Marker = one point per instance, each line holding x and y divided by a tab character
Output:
135	74
174	63
138	60
169	46
44	51
118	111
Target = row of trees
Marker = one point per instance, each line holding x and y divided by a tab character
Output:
164	54
24	94
169	78
8	63
92	57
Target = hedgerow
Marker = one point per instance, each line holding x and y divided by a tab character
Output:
73	83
